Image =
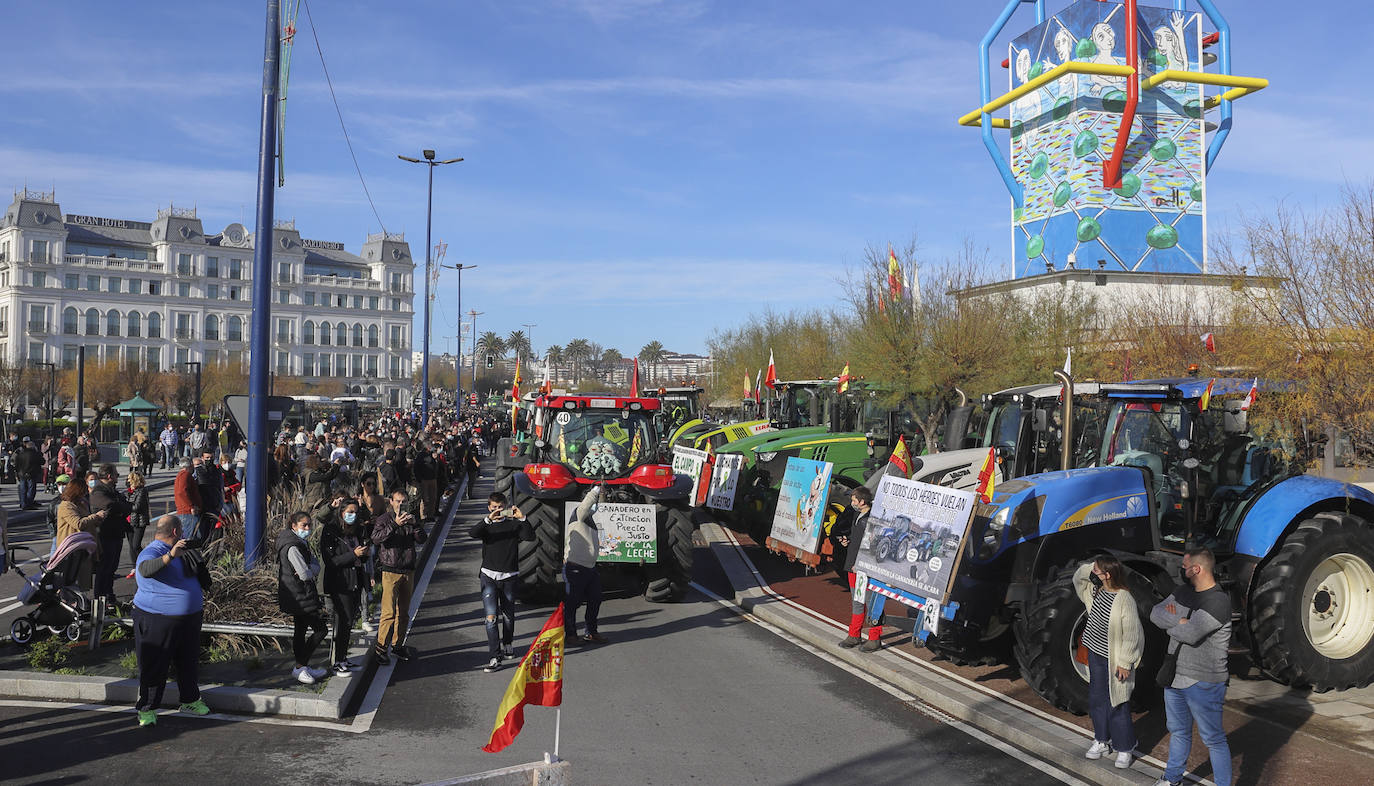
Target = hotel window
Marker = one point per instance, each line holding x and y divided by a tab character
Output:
183	356
395	368
372	336
395	304
233	293
355	366
184	264
308	364
211	327
212	357
372	365
324	364
341	301
35	352
40	251
235	329
135	324
154	358
341	365
70	322
38	318
71	281
283	363
212	267
310	298
283	272
183	289
212	291
40	279
308	332
112	323
93	283
92	322
154	325
69	356
236	268
135	286
114	283
154	287
283	297
284	330
357	301
372	302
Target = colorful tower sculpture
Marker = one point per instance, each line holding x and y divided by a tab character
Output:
1082	190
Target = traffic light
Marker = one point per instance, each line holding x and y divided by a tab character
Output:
491	361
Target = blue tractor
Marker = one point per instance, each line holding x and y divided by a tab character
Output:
1295	550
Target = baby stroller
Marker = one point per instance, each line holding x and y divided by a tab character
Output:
60	605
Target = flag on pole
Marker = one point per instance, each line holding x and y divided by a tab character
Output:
515	397
844	379
1206	396
1209	341
634	381
538	682
987	477
894	275
1068	361
901	457
1251	396
758	388
748	391
772	378
546	386
1126	369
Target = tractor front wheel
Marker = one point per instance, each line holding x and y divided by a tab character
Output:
1312	610
1047	645
541	559
669	577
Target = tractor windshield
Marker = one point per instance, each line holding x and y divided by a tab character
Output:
602	444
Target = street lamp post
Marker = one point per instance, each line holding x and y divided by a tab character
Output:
474	314
458	362
529	336
52	385
195	417
429	221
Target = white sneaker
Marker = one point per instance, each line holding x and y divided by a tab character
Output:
1167	782
493	665
343	667
317	673
367	626
1124	760
1098	748
303	675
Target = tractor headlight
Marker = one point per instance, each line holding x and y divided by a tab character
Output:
992	535
765	457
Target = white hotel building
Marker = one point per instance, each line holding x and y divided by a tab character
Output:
164	293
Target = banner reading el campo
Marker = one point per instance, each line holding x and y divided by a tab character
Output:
914	535
688	461
629	533
801	503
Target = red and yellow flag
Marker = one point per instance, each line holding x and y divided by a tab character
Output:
1206	396
844	379
901	457
894	274
1250	397
987	477
538	681
748	389
515	396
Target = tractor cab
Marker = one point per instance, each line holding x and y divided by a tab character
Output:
593	438
680	412
1026	425
803	403
1203	467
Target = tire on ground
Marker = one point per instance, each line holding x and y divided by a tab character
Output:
1312	607
669	577
541	559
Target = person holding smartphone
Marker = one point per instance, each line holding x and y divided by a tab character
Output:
397	533
500	531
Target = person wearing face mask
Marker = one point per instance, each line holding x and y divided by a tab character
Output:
1115	642
343	551
297	596
1197	617
74	515
114	529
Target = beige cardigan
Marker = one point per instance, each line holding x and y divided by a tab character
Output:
1125	637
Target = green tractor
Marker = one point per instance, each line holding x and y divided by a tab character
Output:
681	413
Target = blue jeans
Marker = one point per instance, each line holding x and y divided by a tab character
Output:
498	604
583	585
1201	703
28	489
190	522
169	456
1110	724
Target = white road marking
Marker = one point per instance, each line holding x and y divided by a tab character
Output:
902	696
10	608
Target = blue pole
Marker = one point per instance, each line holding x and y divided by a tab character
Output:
424	368
458	359
985	94
255	480
1224	58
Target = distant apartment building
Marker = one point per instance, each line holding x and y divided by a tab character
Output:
160	294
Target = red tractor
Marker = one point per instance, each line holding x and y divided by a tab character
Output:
583	441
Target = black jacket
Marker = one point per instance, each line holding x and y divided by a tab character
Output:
388	479
210	481
500	542
397	541
116	522
294	596
138	505
317	483
343	570
27	462
856	539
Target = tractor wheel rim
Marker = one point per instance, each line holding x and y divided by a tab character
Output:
1338	603
1080	663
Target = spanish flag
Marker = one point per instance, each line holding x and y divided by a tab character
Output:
515	397
987	477
1206	396
901	457
538	681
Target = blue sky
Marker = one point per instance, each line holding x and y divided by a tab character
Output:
636	169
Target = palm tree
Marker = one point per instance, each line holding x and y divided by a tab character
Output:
610	364
554	356
518	344
491	344
653	354
578	350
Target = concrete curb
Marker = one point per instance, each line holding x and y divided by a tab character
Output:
329	704
545	773
1001	718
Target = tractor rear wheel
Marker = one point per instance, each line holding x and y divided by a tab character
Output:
1312	610
504	483
1047	633
669	577
541	559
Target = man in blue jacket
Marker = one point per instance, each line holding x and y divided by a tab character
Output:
167	618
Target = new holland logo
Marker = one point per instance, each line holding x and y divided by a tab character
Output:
1135	506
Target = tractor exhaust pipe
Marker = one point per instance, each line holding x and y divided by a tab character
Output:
1066	445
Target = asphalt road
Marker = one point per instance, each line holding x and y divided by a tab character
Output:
683	693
